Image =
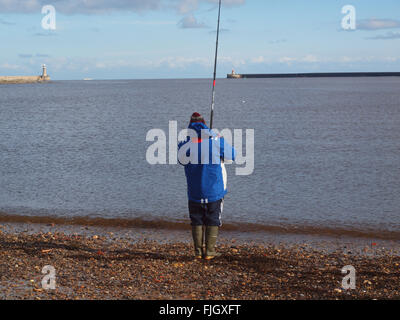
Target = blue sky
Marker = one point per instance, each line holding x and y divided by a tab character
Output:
142	39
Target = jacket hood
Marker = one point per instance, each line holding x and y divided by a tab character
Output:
199	126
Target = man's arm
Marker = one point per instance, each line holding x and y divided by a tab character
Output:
228	153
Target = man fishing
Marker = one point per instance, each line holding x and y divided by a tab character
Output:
204	154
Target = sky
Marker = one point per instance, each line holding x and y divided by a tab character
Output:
151	39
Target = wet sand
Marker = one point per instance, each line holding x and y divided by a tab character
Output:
95	263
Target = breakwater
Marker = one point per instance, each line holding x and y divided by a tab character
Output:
315	75
26	79
23	79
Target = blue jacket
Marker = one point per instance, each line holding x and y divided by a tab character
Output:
205	169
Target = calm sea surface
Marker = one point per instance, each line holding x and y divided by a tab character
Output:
327	151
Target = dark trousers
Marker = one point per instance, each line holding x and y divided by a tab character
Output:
207	214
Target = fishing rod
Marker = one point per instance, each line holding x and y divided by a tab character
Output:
215	69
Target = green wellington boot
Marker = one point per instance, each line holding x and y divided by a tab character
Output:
211	240
197	233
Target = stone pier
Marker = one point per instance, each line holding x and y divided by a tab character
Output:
26	79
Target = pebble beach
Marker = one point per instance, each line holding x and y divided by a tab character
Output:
108	266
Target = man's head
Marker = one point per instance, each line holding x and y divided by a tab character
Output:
197	117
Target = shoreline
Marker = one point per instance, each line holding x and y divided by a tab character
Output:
104	263
154	223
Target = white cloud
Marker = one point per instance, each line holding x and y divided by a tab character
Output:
387	36
179	62
186	6
347	59
10	66
235	62
190	22
391	59
259	59
287	60
377	24
310	58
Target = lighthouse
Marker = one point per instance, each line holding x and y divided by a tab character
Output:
44	76
234	75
